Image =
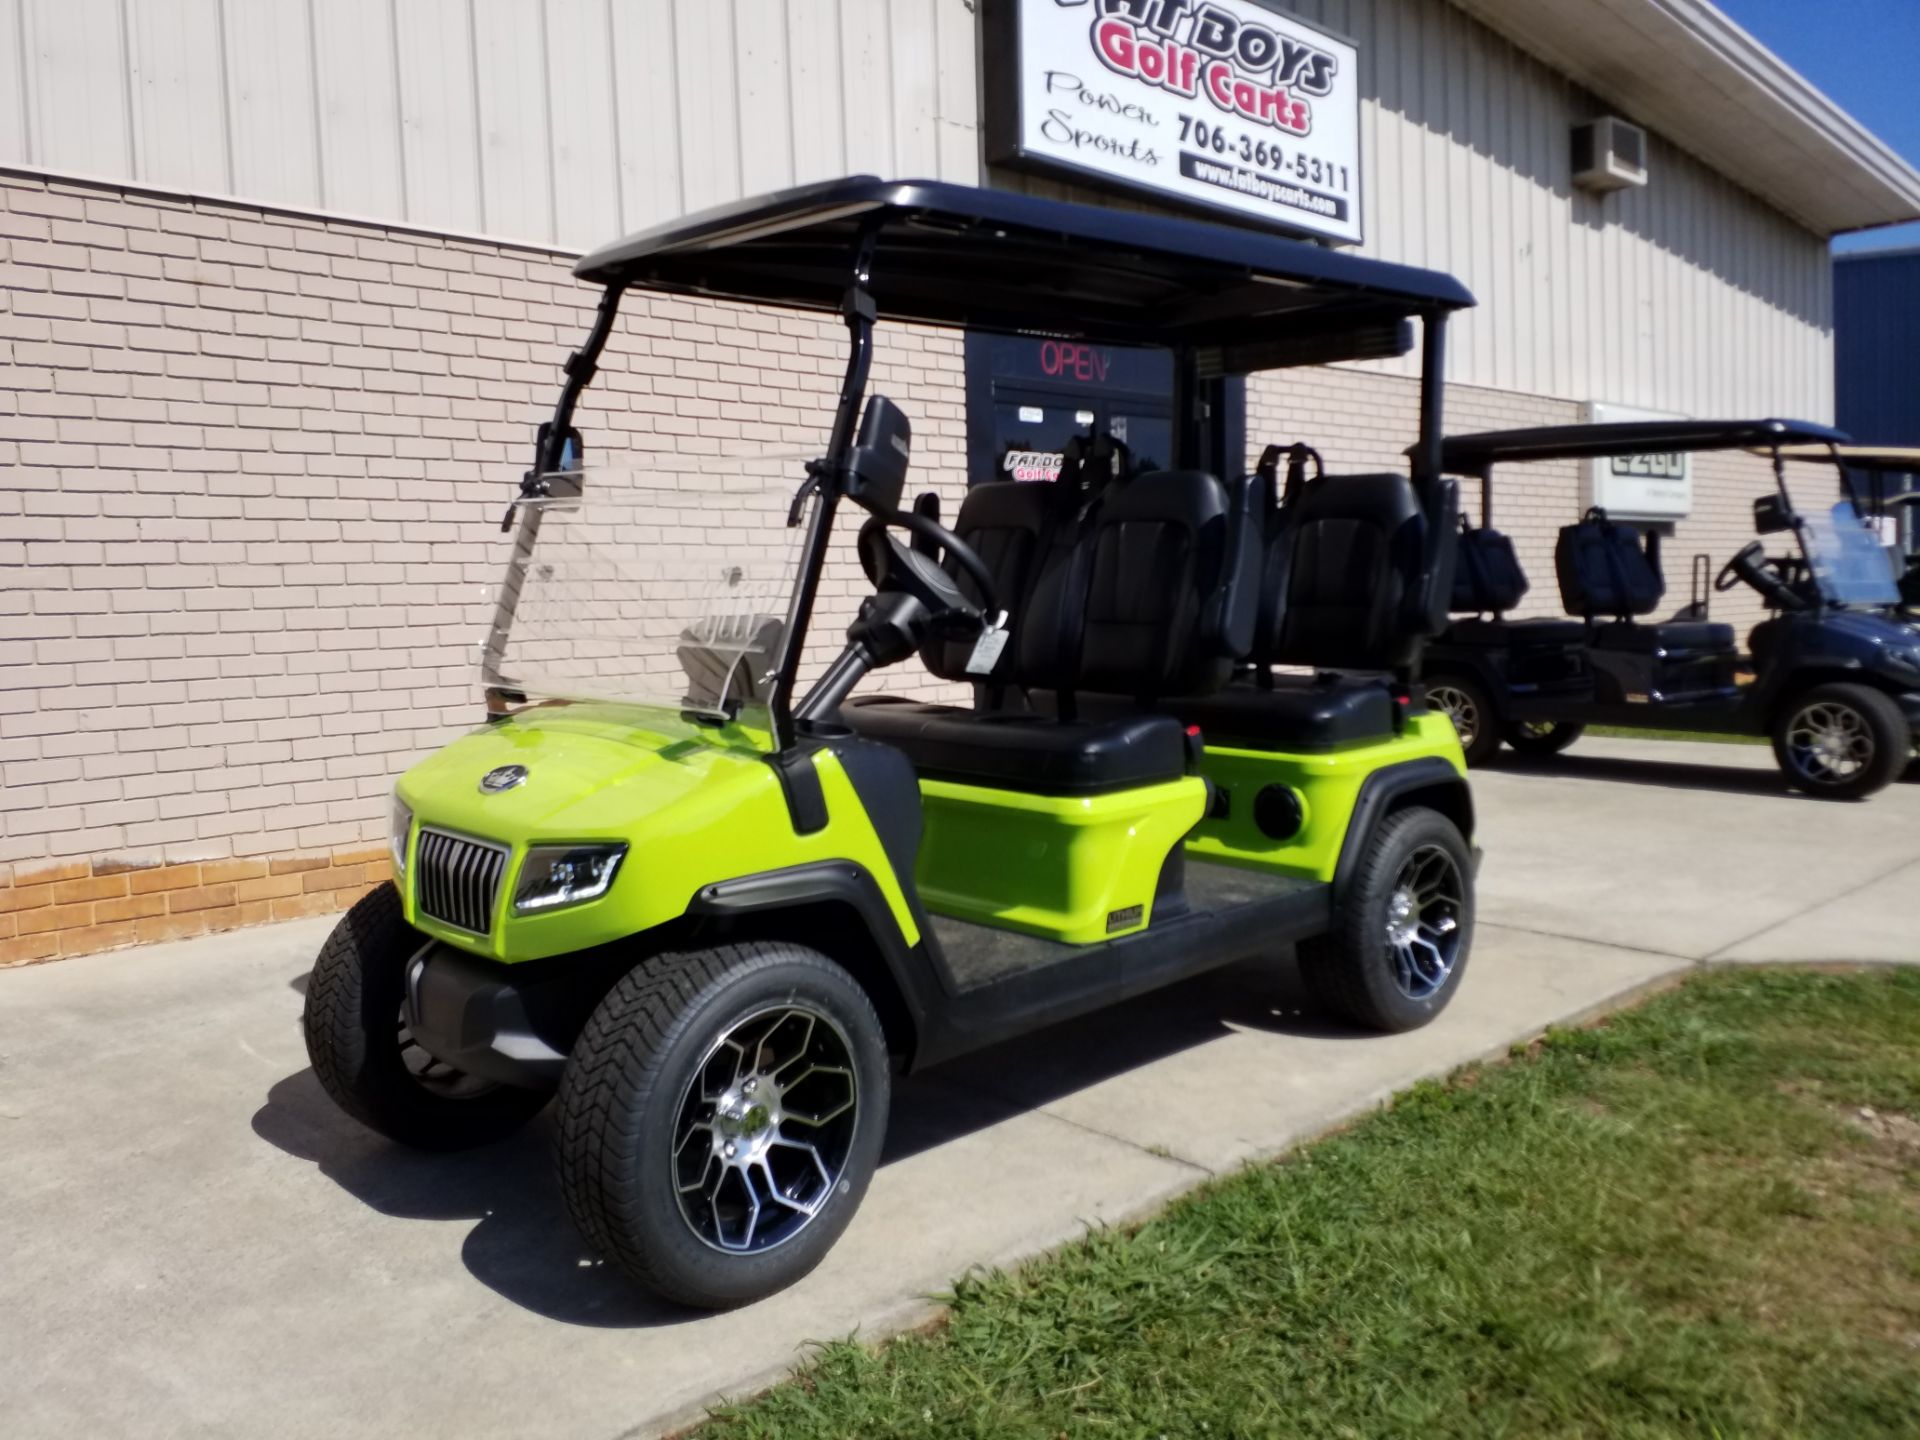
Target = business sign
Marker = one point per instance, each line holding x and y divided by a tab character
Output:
1218	103
1638	487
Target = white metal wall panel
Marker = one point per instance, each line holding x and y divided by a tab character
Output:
565	121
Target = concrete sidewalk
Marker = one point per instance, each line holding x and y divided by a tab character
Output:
199	1244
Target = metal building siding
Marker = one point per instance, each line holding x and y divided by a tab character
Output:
1876	324
562	122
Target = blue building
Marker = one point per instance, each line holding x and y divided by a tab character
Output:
1876	342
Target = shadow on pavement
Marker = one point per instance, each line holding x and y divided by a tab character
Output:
524	1247
1664	774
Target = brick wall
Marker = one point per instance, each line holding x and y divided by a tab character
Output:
249	531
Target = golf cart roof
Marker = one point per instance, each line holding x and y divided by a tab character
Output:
1471	454
1888	459
995	260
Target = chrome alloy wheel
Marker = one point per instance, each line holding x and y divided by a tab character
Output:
1423	921
1830	743
1458	707
764	1129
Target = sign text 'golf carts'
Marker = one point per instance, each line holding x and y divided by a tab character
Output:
1222	103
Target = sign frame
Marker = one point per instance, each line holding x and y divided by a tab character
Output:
1003	80
1604	480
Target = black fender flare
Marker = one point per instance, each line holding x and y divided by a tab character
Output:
896	975
1430	780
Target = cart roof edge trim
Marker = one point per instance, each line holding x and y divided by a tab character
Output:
1469	454
1053	267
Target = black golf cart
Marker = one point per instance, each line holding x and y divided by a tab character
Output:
1832	675
713	908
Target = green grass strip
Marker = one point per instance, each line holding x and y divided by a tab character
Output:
1678	1224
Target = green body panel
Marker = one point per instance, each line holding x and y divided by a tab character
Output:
694	805
1076	869
1327	786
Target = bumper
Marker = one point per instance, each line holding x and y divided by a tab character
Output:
479	1016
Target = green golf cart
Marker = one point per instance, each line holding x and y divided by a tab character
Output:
686	879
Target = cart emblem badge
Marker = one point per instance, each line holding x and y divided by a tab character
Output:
504	777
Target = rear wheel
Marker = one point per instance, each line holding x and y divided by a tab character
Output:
1401	937
1465	701
1542	737
1842	742
720	1117
367	1059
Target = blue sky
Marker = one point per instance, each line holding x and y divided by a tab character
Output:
1862	53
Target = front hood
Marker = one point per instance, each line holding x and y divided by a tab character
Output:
591	772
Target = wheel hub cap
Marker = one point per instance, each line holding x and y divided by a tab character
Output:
1458	708
764	1129
1829	743
1424	911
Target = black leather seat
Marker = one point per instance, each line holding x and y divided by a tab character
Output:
1604	570
1510	633
1347	565
1025	751
1145	592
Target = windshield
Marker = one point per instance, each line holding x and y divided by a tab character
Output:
662	582
1849	563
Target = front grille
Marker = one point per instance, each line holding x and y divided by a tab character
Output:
456	880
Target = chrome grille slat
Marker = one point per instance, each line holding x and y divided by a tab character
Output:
459	879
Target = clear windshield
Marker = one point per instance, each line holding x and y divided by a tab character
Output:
662	583
1849	563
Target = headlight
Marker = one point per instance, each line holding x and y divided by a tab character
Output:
556	875
397	830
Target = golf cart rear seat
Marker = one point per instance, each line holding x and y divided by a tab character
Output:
1146	592
1488	580
1604	570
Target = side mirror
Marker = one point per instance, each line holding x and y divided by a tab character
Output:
877	469
1771	515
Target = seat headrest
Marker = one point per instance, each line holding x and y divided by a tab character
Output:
1356	554
1603	570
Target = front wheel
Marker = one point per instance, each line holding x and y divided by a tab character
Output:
1465	701
367	1059
720	1117
1400	939
1542	737
1842	742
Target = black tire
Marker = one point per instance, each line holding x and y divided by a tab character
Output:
1549	738
1865	719
1466	702
629	1091
1354	970
357	1041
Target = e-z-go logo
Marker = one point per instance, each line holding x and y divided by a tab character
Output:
1188	48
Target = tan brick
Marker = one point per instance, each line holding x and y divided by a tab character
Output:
167	877
91	938
334	879
360	856
27	949
271	887
293	864
50	874
226	917
204	897
95	887
54	917
170	927
134	907
294	907
8	927
25	897
121	866
255	912
220	872
378	872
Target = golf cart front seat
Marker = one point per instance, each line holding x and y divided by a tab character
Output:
1347	572
1488	581
1603	570
1149	594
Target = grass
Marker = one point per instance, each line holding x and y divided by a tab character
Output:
1702	1218
1634	732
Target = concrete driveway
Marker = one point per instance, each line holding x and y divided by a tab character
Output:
197	1243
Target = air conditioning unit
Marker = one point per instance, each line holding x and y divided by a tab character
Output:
1609	154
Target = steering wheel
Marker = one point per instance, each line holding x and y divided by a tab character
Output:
893	566
1749	565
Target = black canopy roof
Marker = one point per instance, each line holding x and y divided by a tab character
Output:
1471	454
995	260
